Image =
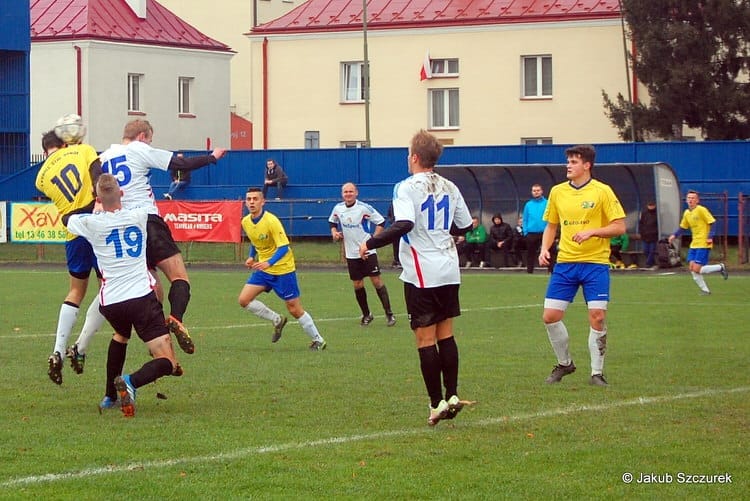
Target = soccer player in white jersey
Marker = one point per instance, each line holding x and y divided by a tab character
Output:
118	237
130	162
272	262
588	214
348	220
428	210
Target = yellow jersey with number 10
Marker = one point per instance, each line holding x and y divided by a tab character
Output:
65	178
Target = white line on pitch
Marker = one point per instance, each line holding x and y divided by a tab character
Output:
253	451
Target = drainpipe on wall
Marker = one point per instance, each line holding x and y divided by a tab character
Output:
635	75
265	93
79	81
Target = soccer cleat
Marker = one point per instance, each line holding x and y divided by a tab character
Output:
107	403
560	371
127	395
77	360
454	407
390	320
724	272
704	292
366	320
177	370
318	345
598	380
181	333
277	329
168	196
438	413
55	367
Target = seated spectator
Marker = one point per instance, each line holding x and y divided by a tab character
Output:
275	176
617	245
476	245
519	244
180	181
501	242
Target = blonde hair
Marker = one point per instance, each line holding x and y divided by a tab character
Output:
108	190
135	127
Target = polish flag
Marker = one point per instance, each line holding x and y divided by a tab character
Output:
426	71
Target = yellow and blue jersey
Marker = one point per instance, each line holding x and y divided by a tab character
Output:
698	221
266	235
65	179
593	205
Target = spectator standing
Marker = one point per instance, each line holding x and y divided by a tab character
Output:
476	244
700	222
533	225
648	228
519	244
347	221
275	176
501	240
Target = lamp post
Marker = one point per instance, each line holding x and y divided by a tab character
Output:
366	74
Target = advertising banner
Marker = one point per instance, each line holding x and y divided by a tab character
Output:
36	222
203	221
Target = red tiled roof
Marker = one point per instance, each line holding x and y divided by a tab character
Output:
113	20
346	15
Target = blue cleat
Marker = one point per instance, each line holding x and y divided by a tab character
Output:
107	403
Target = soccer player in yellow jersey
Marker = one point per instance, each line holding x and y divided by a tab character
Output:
67	177
588	214
273	267
699	221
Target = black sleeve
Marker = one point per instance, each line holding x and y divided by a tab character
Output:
83	210
393	233
333	225
457	232
191	163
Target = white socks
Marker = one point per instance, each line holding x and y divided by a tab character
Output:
698	278
558	337
65	322
710	268
94	321
263	311
308	326
597	348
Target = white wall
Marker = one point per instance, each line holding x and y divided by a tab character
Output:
104	87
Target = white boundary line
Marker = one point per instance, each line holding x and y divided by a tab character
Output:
254	451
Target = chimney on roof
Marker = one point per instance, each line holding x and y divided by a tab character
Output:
138	7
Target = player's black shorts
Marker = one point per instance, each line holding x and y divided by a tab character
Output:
361	268
144	314
432	305
159	243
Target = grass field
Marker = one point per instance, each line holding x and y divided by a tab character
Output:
251	419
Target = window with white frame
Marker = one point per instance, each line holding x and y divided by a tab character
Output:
134	91
536	140
443	106
184	104
312	139
537	76
444	67
352	82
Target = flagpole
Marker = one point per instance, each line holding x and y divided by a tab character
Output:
366	74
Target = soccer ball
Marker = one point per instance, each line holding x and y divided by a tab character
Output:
70	129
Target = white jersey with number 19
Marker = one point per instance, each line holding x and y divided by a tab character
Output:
428	253
119	243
